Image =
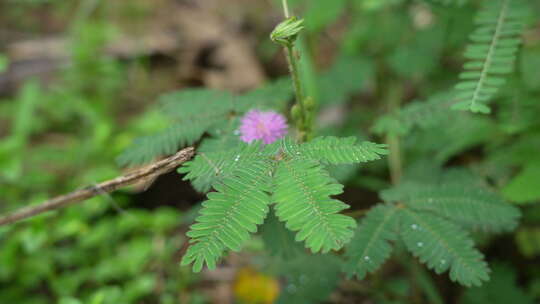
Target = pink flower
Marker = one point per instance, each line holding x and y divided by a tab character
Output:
266	126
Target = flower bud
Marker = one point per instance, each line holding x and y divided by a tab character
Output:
296	113
310	103
287	31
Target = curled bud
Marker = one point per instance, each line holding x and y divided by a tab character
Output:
287	31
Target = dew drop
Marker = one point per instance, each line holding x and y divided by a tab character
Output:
237	158
443	261
414	226
297	153
366	258
419	244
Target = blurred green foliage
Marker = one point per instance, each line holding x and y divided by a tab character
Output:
62	136
68	133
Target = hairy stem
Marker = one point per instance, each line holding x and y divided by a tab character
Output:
303	123
297	82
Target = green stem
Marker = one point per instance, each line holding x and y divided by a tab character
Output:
395	95
394	158
303	122
297	82
285	8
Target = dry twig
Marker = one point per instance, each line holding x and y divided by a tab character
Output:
152	170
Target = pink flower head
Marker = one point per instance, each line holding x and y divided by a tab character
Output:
266	126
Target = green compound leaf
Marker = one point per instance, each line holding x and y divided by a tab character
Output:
147	148
188	110
370	247
208	167
442	246
230	214
302	193
336	151
470	205
492	53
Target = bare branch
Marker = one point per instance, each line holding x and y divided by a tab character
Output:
153	170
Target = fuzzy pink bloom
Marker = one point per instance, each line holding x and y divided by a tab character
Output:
266	126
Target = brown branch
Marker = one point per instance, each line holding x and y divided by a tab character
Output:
356	213
152	170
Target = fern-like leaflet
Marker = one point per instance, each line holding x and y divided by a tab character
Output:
430	215
209	164
370	247
302	194
442	245
492	53
336	151
472	206
230	214
145	149
188	110
206	168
